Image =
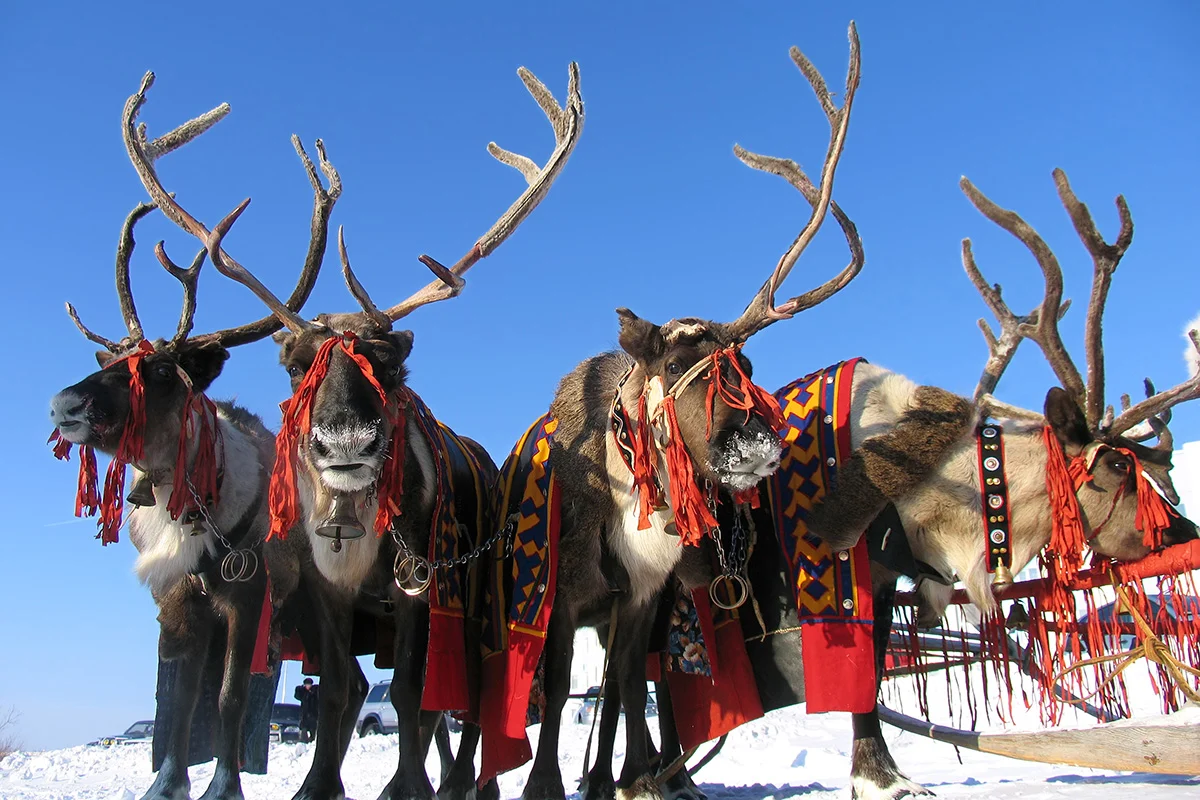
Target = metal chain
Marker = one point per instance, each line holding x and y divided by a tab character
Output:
510	527
238	565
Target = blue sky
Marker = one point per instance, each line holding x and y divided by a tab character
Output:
653	212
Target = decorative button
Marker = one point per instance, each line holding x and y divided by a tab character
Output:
828	419
831	461
541	587
998	536
991	463
843	555
847	604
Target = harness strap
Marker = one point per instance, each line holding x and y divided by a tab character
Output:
993	485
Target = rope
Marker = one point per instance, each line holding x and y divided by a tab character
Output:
612	632
1149	647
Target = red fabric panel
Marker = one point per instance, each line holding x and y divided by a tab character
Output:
839	655
446	664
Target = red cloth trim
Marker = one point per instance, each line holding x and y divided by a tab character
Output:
445	664
707	708
837	649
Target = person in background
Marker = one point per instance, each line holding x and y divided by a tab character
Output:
307	694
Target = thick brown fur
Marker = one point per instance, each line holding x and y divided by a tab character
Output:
889	465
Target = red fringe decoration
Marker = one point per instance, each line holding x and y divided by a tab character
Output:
283	498
1067	538
131	449
743	393
645	461
1154	514
693	520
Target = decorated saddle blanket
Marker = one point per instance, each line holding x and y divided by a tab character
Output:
518	597
832	591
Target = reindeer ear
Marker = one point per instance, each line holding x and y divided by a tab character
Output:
402	341
203	364
641	339
103	357
1066	418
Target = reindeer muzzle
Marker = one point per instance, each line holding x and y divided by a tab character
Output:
342	523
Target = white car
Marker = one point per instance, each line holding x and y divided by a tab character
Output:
377	714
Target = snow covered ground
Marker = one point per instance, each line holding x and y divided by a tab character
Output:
786	754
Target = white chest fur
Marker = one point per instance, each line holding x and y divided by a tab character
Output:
648	555
167	550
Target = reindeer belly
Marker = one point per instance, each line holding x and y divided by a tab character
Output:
648	555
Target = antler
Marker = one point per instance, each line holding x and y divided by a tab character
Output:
762	310
567	121
128	311
1154	410
1012	327
143	154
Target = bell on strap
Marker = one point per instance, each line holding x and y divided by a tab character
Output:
1002	578
342	522
142	493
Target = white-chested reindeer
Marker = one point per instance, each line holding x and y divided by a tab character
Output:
917	448
645	440
200	470
367	475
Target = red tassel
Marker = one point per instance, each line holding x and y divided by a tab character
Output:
644	465
391	478
742	393
693	520
200	422
283	499
1154	514
1067	536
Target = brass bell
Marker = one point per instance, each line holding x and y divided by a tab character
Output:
342	522
142	493
1001	579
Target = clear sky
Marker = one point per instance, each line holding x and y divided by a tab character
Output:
653	212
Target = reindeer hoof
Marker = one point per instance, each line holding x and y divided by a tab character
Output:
681	787
168	785
544	787
644	788
862	788
225	785
597	787
313	791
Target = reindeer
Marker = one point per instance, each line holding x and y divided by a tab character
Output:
918	449
360	456
645	439
200	468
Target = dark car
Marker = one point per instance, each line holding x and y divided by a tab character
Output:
1128	633
140	731
285	722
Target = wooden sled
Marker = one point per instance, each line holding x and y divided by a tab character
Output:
1166	749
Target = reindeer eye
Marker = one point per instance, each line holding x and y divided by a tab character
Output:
295	371
393	371
674	368
1120	465
163	371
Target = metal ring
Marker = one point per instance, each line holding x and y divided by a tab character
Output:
232	565
741	593
415	569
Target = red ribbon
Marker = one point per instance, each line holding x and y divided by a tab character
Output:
284	498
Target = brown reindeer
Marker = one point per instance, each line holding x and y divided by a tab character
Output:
200	470
924	460
360	457
645	440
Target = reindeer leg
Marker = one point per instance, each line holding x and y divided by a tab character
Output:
241	635
357	693
599	783
680	786
324	779
873	772
637	779
545	778
459	782
191	643
441	737
410	782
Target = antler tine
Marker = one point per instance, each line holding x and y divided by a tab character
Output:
124	253
762	310
1045	330
107	344
567	121
791	172
129	313
232	269
143	154
1002	349
357	289
188	278
1158	404
1105	257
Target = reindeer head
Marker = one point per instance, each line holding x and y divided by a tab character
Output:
146	405
344	423
1122	487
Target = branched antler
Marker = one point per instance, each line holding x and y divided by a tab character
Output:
143	153
762	310
1139	422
